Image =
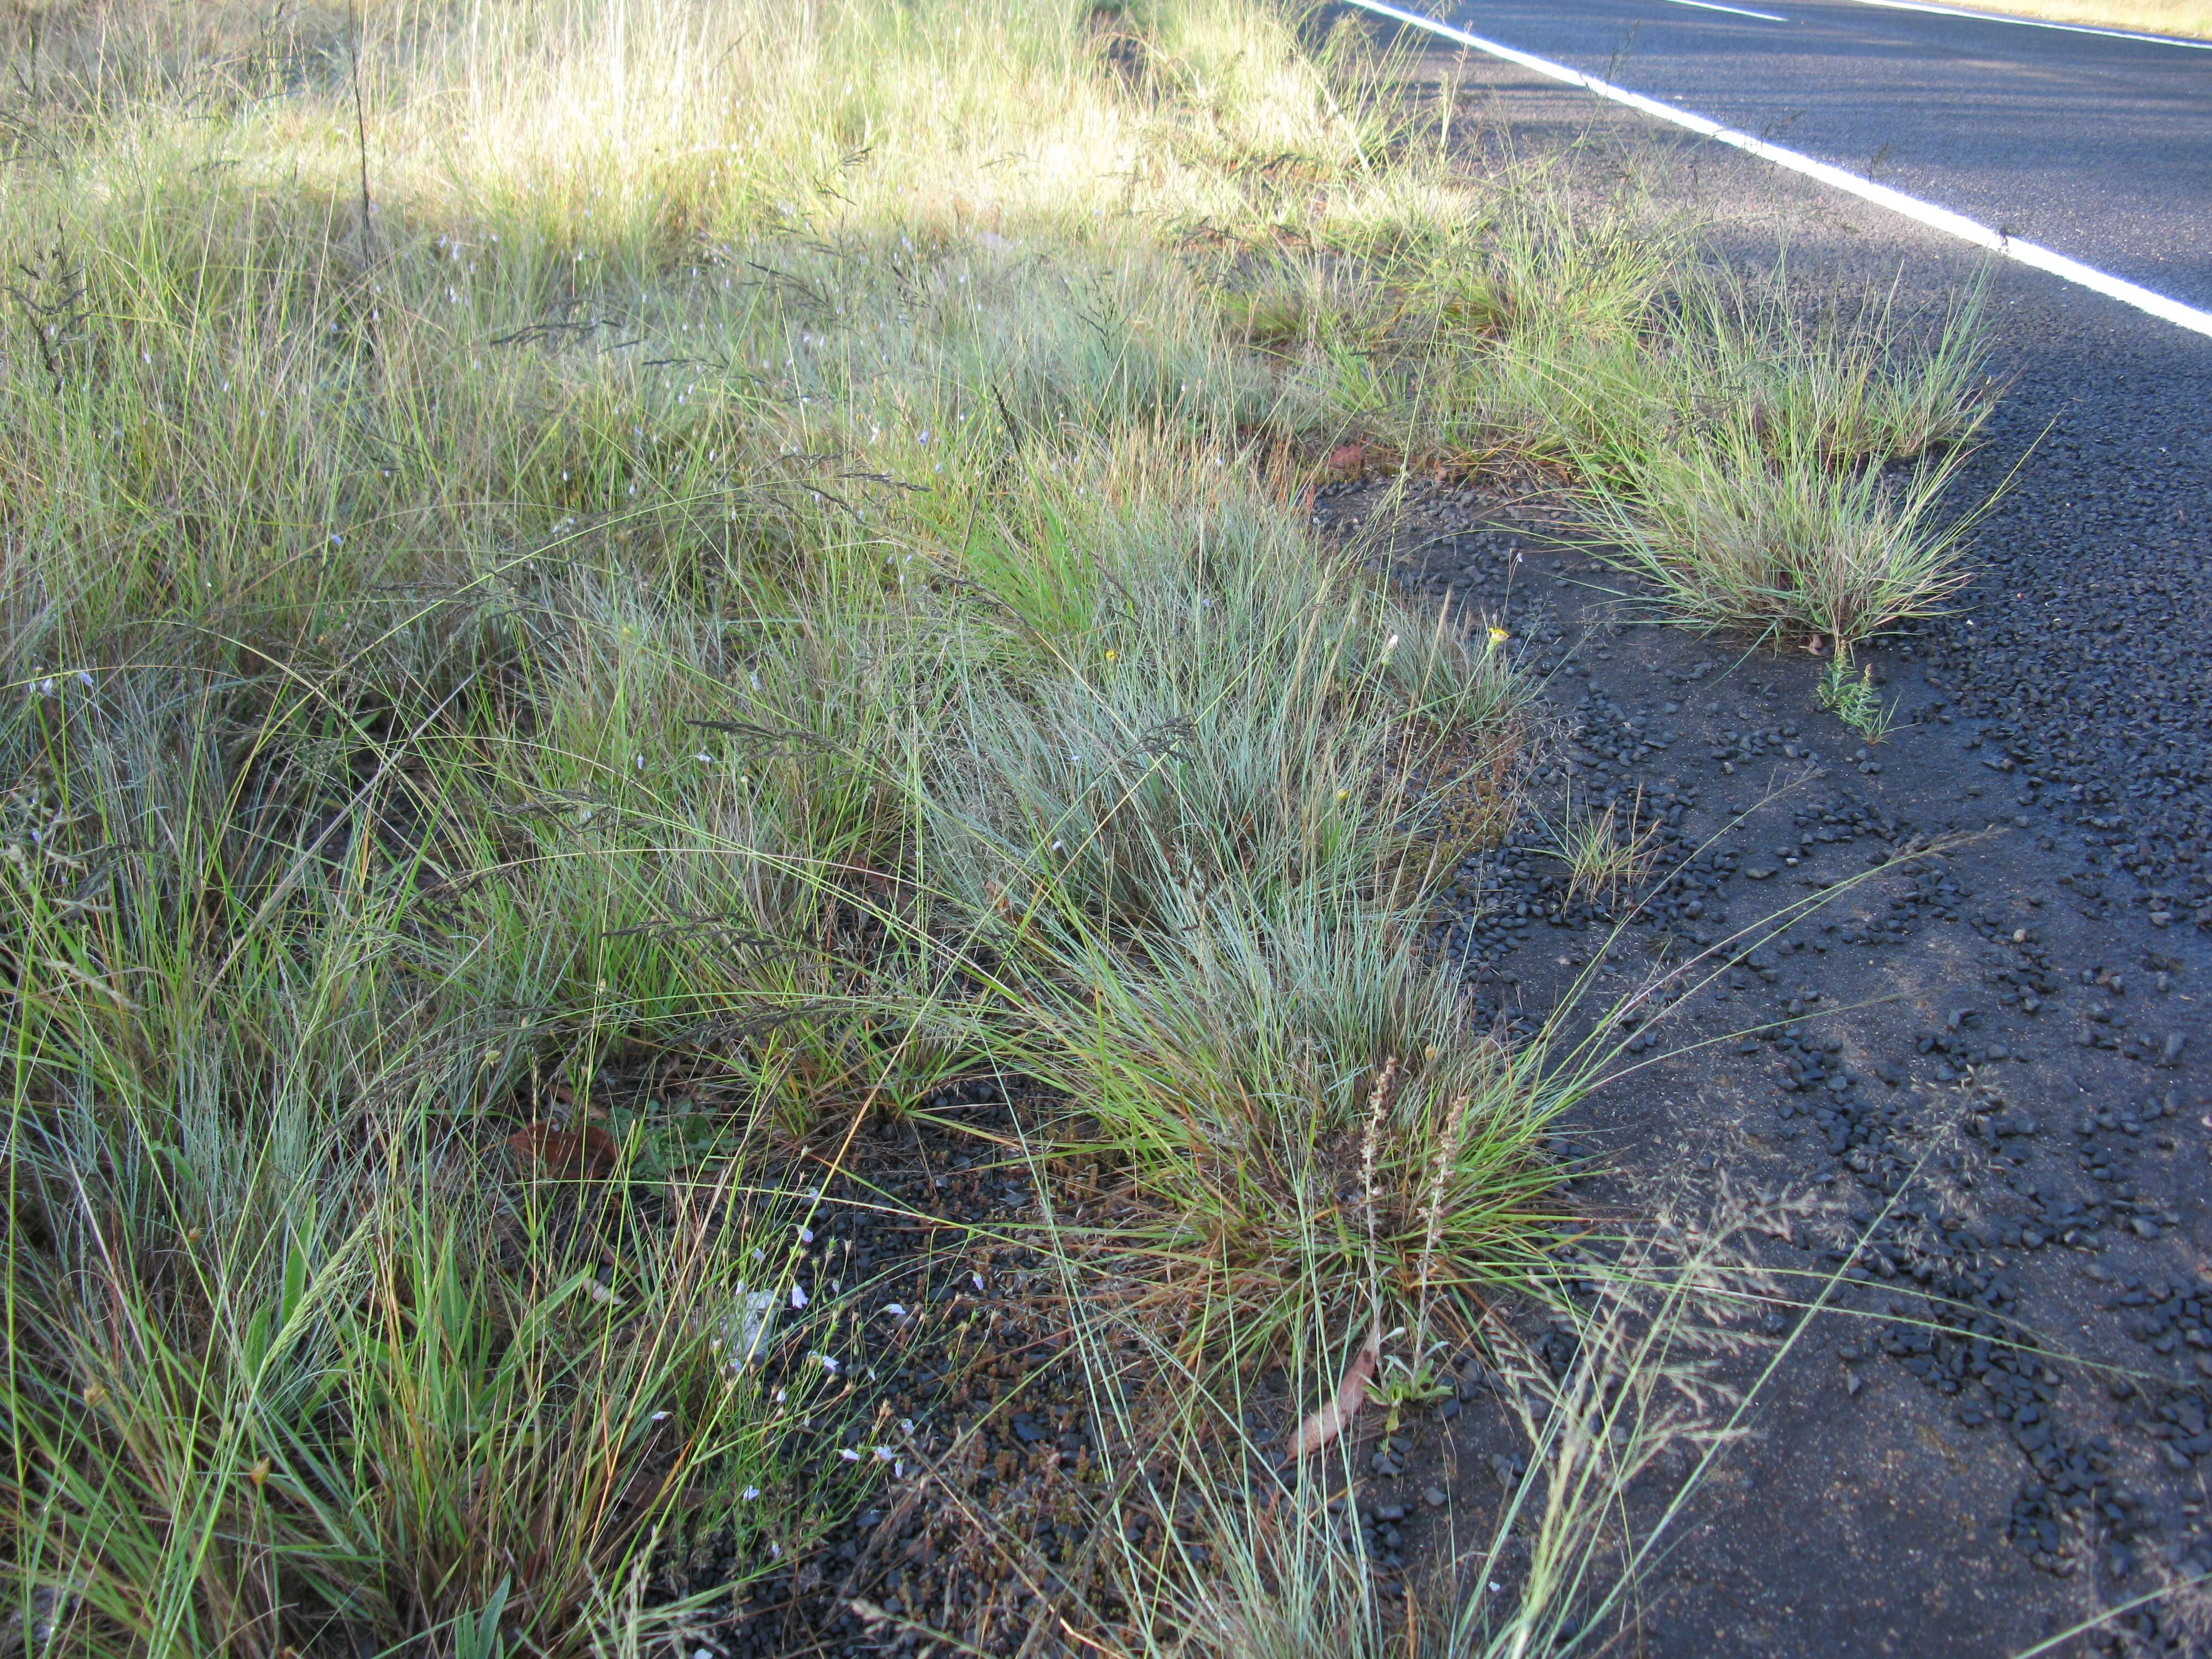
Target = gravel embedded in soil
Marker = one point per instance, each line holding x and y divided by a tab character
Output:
1981	1063
985	1436
982	1527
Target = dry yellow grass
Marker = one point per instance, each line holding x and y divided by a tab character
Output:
2189	18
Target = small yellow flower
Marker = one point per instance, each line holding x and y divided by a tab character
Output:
1498	636
1344	794
1113	656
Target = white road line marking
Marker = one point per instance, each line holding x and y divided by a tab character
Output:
2036	23
1910	207
1733	11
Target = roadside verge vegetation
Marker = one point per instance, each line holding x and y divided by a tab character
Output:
550	548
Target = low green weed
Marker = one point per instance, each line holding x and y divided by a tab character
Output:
1853	700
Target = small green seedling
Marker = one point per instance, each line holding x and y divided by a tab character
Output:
1852	699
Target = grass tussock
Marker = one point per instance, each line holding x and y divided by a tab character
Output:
1769	459
548	549
1616	1415
1765	461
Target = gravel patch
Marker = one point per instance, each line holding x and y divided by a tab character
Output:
1983	1072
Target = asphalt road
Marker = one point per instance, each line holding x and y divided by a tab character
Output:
2095	146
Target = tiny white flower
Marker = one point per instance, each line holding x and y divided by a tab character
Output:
750	1493
848	1454
978	1278
895	1310
658	1417
797	1297
806	1235
885	1455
